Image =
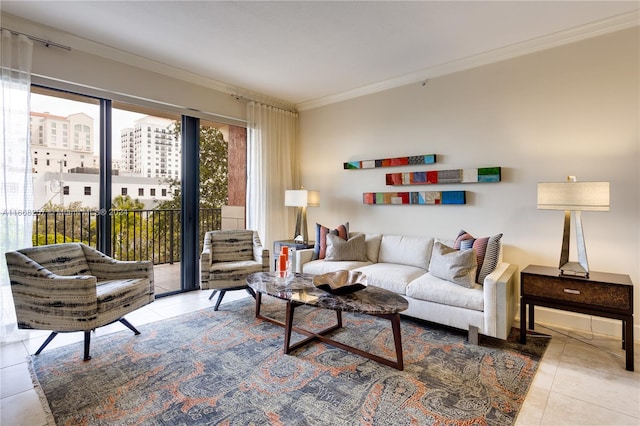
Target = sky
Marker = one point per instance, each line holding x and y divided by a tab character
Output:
120	119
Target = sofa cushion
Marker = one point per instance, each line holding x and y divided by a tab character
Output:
321	266
320	248
456	266
392	277
404	250
487	251
433	289
353	249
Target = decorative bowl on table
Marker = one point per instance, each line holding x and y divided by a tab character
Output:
341	282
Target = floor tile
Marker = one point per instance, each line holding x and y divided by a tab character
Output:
564	410
12	353
615	390
15	379
23	409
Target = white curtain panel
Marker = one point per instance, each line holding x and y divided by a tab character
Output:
16	185
272	168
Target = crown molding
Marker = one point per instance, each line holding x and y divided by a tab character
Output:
93	48
594	29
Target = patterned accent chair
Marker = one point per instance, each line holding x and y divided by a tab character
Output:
73	287
227	258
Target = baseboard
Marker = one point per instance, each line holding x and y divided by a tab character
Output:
580	322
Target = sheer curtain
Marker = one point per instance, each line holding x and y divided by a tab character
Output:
272	136
16	186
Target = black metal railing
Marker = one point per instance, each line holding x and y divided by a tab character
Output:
135	234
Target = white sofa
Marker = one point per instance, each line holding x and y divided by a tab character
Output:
401	264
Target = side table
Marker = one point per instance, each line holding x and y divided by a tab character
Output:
277	246
602	294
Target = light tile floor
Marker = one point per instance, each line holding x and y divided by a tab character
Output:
577	383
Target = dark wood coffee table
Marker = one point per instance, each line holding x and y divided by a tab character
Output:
299	290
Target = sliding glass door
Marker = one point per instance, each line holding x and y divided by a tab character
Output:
145	191
120	178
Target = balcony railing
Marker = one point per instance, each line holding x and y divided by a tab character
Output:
135	234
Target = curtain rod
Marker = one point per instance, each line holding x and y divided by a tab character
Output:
47	43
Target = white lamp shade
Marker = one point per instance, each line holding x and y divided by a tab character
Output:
584	196
301	198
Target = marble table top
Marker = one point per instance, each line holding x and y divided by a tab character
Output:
299	288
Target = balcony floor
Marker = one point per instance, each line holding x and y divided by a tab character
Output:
166	277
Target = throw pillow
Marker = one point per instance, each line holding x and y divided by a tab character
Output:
353	249
456	266
491	257
487	251
320	248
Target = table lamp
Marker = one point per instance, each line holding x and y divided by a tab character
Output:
301	198
574	197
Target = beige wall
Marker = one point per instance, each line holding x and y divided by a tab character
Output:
571	110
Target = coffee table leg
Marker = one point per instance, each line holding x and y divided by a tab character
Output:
258	304
397	338
288	324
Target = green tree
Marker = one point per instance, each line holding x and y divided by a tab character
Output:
55	223
125	202
214	168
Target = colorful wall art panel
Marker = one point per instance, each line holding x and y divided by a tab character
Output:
418	197
484	174
415	160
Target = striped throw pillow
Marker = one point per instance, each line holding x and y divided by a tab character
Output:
487	251
320	248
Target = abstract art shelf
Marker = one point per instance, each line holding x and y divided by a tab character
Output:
414	160
480	175
416	197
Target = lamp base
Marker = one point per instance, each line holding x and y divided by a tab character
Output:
301	225
581	267
573	269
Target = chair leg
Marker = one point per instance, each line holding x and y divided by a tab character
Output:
213	294
129	326
222	292
46	342
251	292
87	342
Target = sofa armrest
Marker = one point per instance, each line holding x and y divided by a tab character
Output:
499	300
303	256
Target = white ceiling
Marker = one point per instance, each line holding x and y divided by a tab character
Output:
307	53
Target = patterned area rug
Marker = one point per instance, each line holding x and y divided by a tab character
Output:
228	368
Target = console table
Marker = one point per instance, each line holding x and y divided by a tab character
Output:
602	294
